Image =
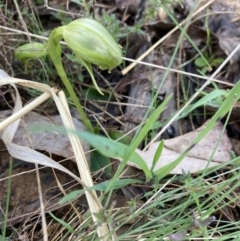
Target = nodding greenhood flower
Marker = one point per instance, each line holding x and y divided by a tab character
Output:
92	43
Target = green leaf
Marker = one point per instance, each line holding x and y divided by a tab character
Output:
72	196
105	146
148	125
98	187
99	161
232	97
112	148
117	184
64	224
204	70
115	135
93	94
157	154
208	98
89	69
199	62
164	171
217	61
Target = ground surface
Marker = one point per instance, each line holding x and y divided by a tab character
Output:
128	100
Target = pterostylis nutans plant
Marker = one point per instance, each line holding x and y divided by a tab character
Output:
90	42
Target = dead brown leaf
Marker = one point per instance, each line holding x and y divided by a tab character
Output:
52	142
198	157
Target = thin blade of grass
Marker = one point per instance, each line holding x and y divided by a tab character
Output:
157	154
148	125
62	222
233	96
203	101
99	187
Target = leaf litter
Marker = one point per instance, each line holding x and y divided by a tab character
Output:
52	142
198	158
223	30
23	153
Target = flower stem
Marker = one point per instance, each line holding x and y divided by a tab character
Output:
54	50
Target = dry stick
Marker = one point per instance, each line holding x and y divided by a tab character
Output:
40	192
194	96
27	108
22	32
178	71
127	69
22	21
40	195
42	207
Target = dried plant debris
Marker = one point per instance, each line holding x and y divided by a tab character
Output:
24	196
51	142
198	157
222	18
129	6
24	200
146	82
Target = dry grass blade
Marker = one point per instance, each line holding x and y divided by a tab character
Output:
94	204
178	71
24	153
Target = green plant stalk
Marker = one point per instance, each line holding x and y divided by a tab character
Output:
141	135
221	134
62	222
86	7
207	28
183	31
54	50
